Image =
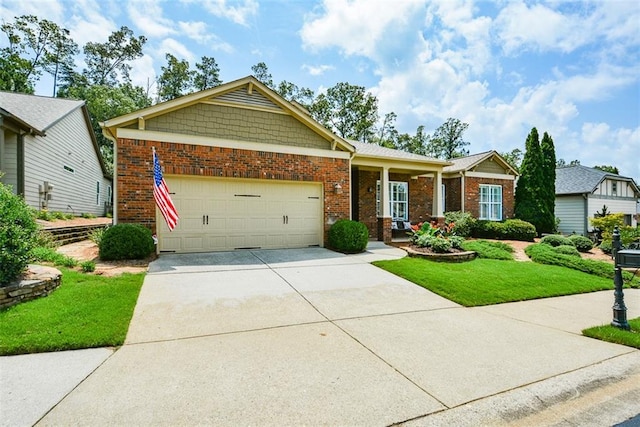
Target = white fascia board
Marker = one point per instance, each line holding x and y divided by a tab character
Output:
490	175
227	143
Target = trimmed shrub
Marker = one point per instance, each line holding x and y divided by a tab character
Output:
456	241
606	246
567	250
582	244
348	236
126	241
440	245
463	222
556	240
545	254
18	235
489	249
511	229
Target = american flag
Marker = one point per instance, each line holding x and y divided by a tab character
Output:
161	194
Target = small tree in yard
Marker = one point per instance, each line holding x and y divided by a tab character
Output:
18	235
548	189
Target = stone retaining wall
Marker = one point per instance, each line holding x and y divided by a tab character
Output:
40	281
444	257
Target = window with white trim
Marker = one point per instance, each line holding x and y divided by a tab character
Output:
398	200
491	202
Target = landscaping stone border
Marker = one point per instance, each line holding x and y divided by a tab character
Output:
39	281
445	257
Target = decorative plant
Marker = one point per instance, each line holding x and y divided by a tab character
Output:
438	239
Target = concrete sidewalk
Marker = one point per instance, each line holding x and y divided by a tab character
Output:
312	337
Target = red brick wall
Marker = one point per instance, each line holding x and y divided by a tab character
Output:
452	194
472	195
135	170
420	198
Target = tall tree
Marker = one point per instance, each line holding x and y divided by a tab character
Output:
35	45
447	142
348	110
108	62
207	74
513	157
261	72
562	162
291	92
608	168
548	185
175	79
527	197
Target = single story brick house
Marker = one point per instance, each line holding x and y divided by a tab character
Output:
482	184
248	169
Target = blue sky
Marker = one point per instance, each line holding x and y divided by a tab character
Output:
569	68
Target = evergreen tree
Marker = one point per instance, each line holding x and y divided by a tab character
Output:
528	194
548	189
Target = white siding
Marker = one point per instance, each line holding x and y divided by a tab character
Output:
570	210
626	206
67	143
9	162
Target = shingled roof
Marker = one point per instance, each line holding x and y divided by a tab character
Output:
469	162
375	150
36	113
578	179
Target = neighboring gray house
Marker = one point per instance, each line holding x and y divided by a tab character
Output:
581	192
49	154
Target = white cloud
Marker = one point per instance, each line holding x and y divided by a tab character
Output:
174	47
239	14
53	10
199	32
147	16
317	70
616	147
88	24
356	27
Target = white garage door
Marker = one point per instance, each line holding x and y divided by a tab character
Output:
227	214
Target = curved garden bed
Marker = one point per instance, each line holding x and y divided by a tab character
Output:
458	256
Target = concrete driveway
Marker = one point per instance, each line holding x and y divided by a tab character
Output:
313	337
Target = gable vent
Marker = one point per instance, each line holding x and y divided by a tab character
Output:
241	96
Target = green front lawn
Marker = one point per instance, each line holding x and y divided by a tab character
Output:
85	311
612	334
488	281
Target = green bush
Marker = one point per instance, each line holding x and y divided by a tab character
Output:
18	234
126	241
456	241
489	249
582	244
463	222
545	254
556	240
43	254
440	245
87	215
88	266
45	239
96	235
348	236
511	229
606	246
566	250
44	215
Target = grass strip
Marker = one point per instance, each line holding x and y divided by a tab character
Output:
85	311
615	335
489	249
488	281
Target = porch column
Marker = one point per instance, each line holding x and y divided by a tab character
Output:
384	221
437	214
462	191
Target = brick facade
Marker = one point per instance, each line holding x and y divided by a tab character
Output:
420	199
135	171
472	194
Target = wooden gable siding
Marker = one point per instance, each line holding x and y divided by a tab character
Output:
489	166
624	189
572	213
69	144
238	124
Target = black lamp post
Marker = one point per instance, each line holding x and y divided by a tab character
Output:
619	309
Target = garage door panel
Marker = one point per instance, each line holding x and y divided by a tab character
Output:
242	214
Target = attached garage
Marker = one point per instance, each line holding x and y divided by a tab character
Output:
218	214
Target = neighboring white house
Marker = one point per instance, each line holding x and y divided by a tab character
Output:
581	192
49	154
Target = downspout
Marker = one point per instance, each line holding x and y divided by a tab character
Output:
462	190
586	214
114	191
20	165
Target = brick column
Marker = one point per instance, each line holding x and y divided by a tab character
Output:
384	229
